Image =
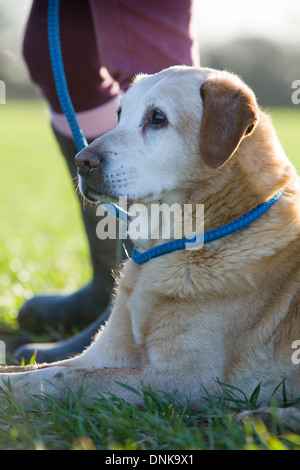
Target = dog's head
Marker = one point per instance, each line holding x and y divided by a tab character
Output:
180	124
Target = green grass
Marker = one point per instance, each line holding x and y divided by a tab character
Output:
42	244
109	423
287	125
43	250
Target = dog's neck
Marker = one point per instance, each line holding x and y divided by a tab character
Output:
229	204
156	223
206	215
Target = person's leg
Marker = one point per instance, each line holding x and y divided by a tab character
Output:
95	97
146	36
88	87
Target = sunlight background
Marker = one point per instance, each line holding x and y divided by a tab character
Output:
221	20
219	24
218	20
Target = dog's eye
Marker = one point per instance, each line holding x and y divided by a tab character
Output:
158	118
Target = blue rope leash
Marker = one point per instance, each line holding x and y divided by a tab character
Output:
210	236
59	74
64	95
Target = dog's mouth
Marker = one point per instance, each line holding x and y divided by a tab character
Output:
104	193
89	192
92	195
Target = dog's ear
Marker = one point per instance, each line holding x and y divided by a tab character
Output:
229	113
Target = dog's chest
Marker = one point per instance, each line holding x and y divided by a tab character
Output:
140	304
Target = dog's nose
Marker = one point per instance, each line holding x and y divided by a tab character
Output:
87	160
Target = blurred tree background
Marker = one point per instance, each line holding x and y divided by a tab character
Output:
269	68
12	68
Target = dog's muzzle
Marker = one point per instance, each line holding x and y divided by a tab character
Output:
90	171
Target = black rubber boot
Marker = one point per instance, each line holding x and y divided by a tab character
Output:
89	303
51	352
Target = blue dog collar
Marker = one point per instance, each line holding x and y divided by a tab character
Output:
212	235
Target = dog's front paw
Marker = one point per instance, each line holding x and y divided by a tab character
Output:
15	385
12	382
14	369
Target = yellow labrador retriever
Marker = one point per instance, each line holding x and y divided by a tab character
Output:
228	310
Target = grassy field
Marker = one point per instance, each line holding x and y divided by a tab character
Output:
43	250
42	244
